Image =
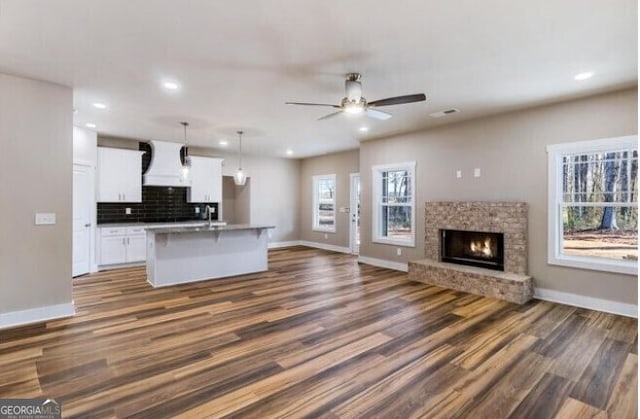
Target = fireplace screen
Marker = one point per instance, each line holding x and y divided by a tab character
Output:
474	248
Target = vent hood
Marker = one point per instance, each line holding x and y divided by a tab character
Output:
165	168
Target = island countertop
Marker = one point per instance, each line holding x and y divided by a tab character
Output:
206	228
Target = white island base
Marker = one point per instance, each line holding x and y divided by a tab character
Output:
188	254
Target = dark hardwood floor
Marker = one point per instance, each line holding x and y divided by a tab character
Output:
320	336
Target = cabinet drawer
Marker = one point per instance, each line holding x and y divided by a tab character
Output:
135	230
113	231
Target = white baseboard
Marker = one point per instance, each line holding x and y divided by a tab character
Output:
325	246
36	315
592	303
382	263
277	245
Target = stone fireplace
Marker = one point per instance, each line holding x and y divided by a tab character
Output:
479	247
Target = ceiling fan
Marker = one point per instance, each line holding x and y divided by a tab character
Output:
354	103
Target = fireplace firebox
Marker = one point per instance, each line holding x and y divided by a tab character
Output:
474	248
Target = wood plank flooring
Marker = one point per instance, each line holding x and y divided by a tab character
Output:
320	336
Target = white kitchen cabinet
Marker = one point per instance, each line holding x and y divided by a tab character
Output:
119	175
117	245
206	179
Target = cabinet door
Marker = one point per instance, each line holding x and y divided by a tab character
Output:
215	186
137	248
206	179
108	175
119	175
132	178
112	250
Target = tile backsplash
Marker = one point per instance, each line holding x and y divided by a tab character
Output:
159	204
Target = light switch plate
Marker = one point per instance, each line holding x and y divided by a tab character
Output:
459	174
45	218
476	172
127	211
197	210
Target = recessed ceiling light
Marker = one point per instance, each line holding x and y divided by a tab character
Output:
363	129
99	105
289	152
583	76
223	143
170	85
90	125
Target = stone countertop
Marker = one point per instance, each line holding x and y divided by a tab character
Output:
156	224
206	228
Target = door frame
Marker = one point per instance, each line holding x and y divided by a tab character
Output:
353	207
91	169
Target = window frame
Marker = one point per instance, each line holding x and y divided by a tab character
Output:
376	234
555	203
315	226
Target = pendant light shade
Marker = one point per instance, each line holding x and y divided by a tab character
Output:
187	161
240	177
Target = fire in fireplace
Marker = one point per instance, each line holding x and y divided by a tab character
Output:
475	248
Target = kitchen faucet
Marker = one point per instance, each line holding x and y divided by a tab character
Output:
210	210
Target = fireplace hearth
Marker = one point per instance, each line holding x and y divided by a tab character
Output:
473	248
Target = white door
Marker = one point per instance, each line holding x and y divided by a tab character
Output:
82	210
354	213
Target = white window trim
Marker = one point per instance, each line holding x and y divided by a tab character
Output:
315	226
376	176
555	256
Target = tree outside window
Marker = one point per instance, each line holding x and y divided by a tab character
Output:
594	202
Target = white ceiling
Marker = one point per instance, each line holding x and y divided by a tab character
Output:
238	62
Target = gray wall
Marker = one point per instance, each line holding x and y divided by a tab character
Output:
510	151
36	149
340	164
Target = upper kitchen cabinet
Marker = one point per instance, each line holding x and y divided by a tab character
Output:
119	175
206	179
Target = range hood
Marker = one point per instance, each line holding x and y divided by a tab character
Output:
165	168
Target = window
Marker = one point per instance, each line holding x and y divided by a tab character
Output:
593	204
393	204
324	203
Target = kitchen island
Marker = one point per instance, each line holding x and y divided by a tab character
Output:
177	255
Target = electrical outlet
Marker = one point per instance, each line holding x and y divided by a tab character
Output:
127	211
398	251
197	210
326	236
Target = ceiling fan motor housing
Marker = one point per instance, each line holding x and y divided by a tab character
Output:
353	87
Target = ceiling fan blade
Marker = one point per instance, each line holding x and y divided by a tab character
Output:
398	100
311	104
376	114
331	115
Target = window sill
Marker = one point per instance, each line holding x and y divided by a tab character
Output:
323	230
403	243
613	266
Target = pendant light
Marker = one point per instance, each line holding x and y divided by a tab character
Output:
187	161
240	178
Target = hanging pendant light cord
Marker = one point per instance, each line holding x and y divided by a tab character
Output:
240	135
186	147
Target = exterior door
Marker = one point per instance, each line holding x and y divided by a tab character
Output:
82	210
354	213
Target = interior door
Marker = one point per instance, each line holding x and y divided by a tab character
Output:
354	210
82	210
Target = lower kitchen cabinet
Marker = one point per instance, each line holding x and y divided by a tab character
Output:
117	245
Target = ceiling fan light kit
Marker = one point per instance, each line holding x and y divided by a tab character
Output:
355	103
